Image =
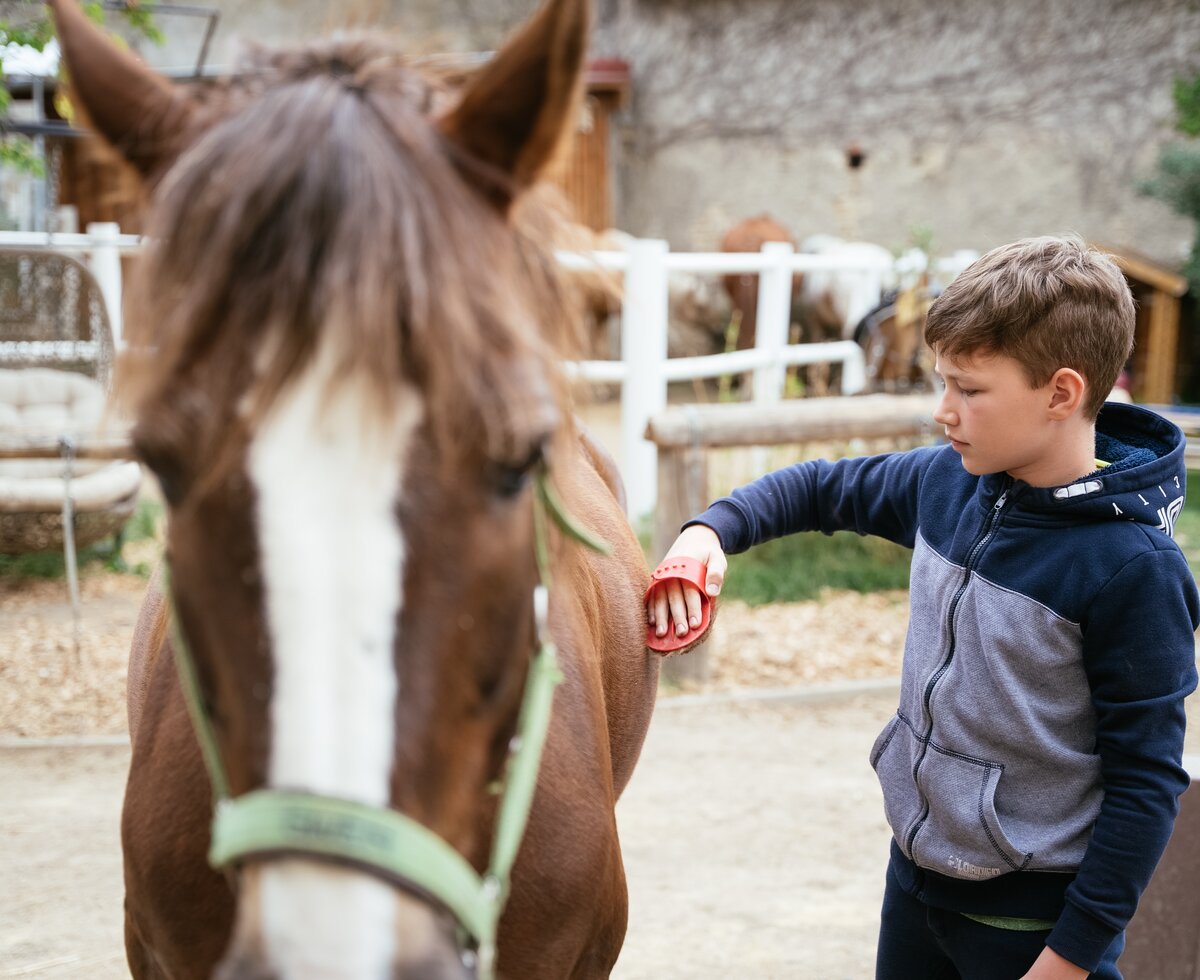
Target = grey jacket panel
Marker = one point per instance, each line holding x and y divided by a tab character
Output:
1009	754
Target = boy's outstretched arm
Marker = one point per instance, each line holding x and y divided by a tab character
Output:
676	605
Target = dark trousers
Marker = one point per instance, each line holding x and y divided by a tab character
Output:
918	942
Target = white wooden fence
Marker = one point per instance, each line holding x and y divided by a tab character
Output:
644	369
101	248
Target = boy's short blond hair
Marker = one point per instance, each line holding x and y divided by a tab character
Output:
1048	303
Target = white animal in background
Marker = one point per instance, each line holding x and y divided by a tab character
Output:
833	301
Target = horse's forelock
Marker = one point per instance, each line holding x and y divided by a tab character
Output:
329	202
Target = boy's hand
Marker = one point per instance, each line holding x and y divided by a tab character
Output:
1050	966
677	604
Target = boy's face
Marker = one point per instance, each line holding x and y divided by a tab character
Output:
998	422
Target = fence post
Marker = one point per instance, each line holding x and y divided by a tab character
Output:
772	320
643	349
854	370
683	493
104	257
1161	940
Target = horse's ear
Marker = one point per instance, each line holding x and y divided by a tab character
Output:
142	114
516	113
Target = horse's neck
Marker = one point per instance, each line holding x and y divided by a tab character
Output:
149	639
602	462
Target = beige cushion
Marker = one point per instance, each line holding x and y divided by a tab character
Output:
37	484
42	401
50	403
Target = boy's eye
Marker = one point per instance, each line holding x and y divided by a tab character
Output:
968	392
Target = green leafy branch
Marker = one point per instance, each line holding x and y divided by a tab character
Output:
16	150
1177	182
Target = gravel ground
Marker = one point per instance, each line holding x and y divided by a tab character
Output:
49	687
752	831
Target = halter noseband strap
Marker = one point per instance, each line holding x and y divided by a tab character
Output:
386	842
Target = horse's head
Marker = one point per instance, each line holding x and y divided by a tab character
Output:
342	362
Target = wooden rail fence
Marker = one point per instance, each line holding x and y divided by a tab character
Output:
684	434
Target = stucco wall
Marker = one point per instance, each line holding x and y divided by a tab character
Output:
982	120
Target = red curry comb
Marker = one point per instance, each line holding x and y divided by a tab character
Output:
685	570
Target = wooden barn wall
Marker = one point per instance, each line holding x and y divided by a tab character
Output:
584	173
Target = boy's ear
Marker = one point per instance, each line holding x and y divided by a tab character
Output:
1067	390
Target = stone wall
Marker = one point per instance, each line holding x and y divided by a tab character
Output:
421	25
981	120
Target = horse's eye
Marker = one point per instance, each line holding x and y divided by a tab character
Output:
508	479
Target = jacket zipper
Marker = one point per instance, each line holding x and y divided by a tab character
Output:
969	567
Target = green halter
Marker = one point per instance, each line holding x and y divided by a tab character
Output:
386	842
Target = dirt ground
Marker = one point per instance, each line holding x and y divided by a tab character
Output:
753	841
53	686
753	831
727	826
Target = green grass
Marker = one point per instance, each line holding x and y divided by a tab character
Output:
1187	525
144	523
799	566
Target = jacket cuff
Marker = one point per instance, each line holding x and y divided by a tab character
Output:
1081	938
727	522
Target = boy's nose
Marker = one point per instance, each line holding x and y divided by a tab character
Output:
943	414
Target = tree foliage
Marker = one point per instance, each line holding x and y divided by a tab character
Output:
1177	181
30	25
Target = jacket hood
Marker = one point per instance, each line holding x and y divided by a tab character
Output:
1144	481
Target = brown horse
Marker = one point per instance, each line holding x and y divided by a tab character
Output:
344	370
749	235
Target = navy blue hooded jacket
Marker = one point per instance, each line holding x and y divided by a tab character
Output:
1033	766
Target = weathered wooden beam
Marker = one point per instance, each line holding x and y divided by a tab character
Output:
802	420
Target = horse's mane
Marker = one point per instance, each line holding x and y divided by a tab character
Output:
320	197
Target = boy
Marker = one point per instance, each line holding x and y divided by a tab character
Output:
1031	774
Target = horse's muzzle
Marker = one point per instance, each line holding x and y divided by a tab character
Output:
450	967
447	965
303	941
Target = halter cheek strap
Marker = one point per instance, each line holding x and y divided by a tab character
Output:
386	842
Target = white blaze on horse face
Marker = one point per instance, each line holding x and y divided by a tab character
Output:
328	472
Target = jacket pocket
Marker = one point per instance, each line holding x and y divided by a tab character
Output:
962	836
892	758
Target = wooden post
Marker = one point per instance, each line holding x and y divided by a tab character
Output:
1162	340
1162	940
644	350
105	261
682	493
772	319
